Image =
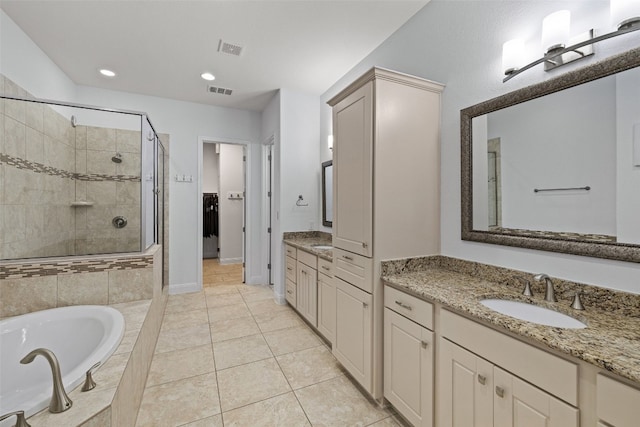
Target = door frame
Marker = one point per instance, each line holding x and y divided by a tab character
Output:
247	182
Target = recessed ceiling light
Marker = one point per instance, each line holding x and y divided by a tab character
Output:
107	73
208	76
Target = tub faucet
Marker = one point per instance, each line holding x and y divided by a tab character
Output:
20	420
550	294
60	402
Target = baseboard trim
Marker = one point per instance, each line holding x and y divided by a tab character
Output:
183	288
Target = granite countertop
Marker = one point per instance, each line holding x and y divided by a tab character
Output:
610	341
306	240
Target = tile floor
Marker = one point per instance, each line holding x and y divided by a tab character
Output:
230	356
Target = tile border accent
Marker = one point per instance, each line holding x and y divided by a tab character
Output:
53	268
49	170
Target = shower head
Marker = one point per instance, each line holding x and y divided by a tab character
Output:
117	158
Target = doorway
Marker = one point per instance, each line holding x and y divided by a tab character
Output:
223	191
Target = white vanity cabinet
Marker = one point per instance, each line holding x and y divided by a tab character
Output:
386	183
291	274
409	356
326	300
617	404
486	378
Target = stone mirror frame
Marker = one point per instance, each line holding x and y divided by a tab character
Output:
609	250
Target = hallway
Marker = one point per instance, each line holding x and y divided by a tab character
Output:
230	356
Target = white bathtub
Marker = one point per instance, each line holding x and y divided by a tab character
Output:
78	335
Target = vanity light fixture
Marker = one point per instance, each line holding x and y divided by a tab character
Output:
330	142
561	50
512	55
208	76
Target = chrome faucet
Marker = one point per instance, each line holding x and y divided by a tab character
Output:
20	420
550	294
60	402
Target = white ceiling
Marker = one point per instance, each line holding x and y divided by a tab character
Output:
160	48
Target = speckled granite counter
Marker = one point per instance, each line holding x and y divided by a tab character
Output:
306	240
610	341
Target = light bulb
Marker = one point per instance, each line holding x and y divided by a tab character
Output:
512	55
555	30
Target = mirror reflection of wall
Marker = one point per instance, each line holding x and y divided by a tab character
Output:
327	193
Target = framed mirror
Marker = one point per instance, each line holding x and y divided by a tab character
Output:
327	193
551	166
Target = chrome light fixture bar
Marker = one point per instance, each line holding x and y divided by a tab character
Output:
560	56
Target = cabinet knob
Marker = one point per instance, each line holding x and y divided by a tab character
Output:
482	379
347	257
364	245
324	267
365	305
289	292
424	344
499	391
403	305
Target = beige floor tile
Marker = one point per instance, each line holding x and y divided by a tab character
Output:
338	403
215	421
221	289
178	339
391	421
257	295
179	364
233	328
251	383
240	351
228	312
184	319
224	299
186	302
179	402
289	340
310	366
272	321
265	306
281	410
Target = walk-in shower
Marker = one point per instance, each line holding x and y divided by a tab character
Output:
77	180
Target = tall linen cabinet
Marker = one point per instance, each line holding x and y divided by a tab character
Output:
386	165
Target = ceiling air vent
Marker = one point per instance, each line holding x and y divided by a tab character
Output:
219	90
229	48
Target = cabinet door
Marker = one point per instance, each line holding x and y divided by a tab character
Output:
327	307
408	368
519	404
353	342
307	291
352	169
465	388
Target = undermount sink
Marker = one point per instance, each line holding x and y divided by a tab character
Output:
533	313
322	246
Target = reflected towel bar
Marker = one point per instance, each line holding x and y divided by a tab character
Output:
537	190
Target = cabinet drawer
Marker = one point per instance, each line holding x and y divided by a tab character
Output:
545	370
308	259
290	251
617	403
325	267
409	306
291	294
354	269
290	265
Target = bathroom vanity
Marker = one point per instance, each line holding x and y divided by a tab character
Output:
488	369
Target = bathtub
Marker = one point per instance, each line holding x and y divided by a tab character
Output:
78	335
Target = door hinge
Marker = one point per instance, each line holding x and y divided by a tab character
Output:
269	230
269	157
268	193
244	194
243	265
244	158
268	266
243	229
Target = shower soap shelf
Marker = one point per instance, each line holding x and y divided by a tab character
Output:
81	203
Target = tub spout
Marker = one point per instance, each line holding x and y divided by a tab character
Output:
60	402
20	420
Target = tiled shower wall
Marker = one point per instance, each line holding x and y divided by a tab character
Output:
46	165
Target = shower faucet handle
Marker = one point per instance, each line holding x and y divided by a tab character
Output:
89	383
